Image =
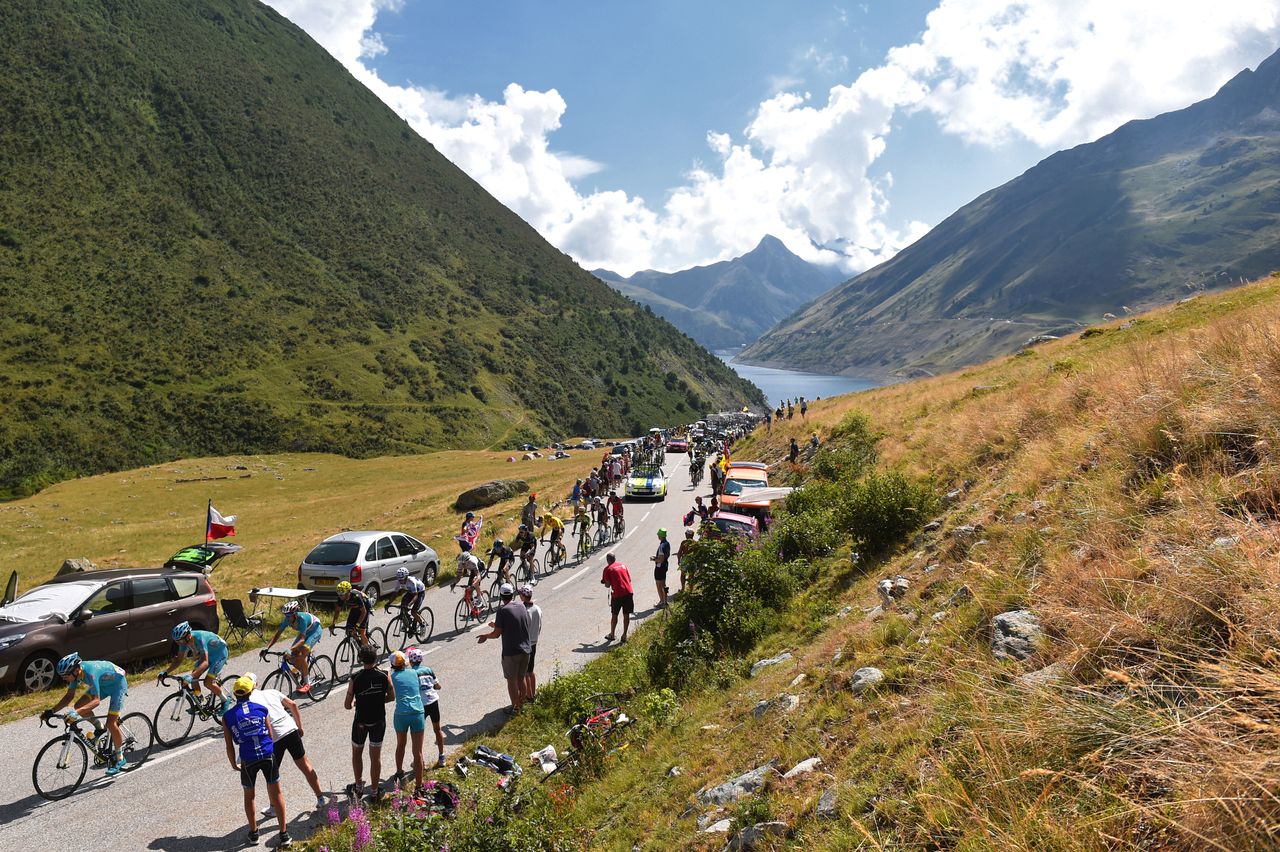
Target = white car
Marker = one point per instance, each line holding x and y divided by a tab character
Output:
368	559
646	482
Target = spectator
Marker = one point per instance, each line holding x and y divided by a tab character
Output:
621	595
369	691
246	726
529	514
682	553
804	408
511	625
409	719
471	528
700	508
795	451
429	687
535	628
713	506
576	495
813	442
768	421
286	736
660	560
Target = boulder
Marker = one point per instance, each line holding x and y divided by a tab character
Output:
76	565
964	532
735	788
783	703
1051	673
865	678
769	661
827	804
1015	635
797	680
804	767
755	836
719	827
489	493
932	526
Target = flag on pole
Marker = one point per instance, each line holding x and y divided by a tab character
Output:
217	526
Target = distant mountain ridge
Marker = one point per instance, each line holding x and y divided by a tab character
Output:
728	304
1156	210
214	240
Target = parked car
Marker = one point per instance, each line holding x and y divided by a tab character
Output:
646	482
120	615
368	559
739	481
731	523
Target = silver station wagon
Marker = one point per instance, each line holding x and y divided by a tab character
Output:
369	560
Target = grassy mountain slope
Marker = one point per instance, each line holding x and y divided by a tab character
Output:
1124	487
1189	199
214	240
729	304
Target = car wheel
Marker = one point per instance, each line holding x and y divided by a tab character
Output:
373	592
38	672
429	575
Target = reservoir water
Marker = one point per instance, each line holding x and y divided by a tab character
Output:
788	384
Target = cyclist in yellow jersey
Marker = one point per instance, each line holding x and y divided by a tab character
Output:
550	523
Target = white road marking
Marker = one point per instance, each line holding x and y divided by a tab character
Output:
156	761
571	579
431	650
646	516
629	532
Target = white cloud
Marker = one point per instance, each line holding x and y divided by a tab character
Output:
1055	72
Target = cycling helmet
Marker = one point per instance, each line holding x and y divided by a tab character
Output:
181	631
688	533
497	542
69	663
402	573
524	528
344	588
289	608
414	655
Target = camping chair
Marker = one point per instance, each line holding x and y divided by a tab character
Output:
239	624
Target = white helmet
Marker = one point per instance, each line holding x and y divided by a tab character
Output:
289	608
402	573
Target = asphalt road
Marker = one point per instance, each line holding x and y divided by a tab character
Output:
189	799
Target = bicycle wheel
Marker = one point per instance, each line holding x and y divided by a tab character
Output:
397	637
138	739
494	592
59	767
322	677
378	639
345	658
174	720
567	761
279	680
461	615
427	624
483	602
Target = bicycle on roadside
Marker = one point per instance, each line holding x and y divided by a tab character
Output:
176	716
61	764
597	734
287	679
410	627
346	657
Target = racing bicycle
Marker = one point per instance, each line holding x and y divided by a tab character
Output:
555	556
695	472
287	679
462	617
619	526
61	764
346	657
602	534
584	544
177	714
401	634
597	733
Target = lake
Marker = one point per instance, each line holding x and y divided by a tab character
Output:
788	384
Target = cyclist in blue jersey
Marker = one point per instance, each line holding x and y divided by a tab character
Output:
248	726
415	592
101	680
309	632
359	608
210	654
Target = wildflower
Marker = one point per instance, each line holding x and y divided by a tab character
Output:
334	816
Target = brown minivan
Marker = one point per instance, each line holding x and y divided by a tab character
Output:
120	615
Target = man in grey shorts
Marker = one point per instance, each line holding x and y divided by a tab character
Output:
511	624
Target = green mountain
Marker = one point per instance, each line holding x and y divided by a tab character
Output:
213	239
1157	210
729	304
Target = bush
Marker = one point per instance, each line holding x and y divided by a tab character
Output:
882	509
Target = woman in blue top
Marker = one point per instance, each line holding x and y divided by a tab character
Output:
408	718
309	631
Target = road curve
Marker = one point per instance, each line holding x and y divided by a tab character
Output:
188	799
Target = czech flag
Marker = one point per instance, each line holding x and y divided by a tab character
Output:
216	526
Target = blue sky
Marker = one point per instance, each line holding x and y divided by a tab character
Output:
667	134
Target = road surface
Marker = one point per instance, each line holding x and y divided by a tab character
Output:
188	799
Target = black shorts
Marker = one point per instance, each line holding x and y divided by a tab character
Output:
659	573
533	652
290	743
623	603
357	618
375	734
249	771
556	535
432	712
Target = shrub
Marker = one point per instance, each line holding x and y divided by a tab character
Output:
883	508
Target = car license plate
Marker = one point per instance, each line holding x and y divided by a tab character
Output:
326	581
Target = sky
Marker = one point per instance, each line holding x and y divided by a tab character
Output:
673	133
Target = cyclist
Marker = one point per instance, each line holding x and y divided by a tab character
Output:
503	554
101	680
527	543
549	523
581	520
415	592
602	513
309	632
615	507
210	653
470	570
360	607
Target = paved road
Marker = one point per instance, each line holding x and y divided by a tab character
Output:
188	799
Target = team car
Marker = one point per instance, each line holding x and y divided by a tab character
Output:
647	482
